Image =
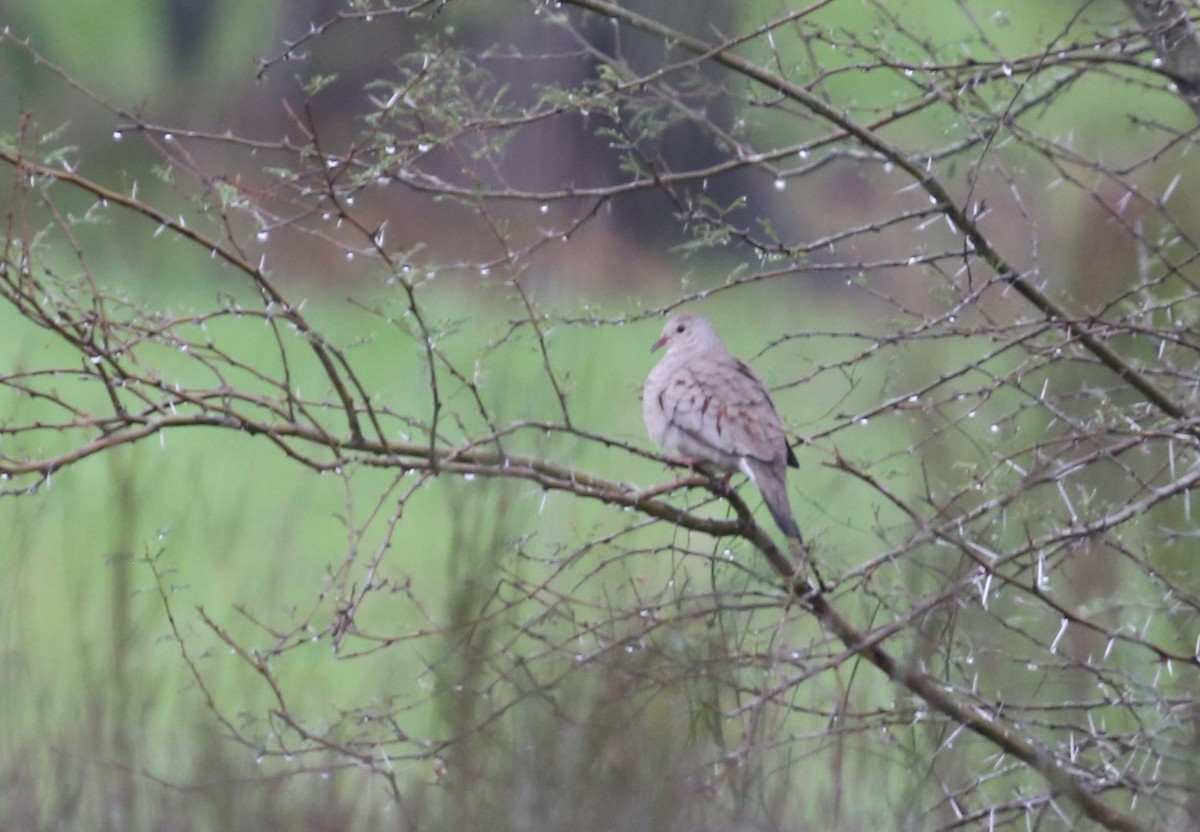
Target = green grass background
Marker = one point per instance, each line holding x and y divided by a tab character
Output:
99	696
102	717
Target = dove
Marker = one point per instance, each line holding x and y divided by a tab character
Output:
707	406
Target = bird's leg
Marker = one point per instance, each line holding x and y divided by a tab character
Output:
683	462
692	465
719	483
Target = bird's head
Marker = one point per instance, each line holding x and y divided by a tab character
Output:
688	330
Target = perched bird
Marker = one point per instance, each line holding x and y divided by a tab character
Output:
709	407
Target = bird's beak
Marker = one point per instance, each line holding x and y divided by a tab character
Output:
658	344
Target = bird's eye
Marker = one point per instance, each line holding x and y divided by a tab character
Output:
680	328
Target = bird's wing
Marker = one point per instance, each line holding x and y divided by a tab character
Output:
718	401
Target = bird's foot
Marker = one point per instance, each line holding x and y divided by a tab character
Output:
719	483
683	462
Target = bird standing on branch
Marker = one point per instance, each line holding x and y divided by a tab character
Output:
709	407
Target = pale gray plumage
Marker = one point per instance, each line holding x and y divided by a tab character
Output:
706	405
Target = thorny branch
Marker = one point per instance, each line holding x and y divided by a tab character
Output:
1055	435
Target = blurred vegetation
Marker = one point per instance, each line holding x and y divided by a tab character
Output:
130	574
102	698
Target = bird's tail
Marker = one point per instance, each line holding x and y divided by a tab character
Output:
772	483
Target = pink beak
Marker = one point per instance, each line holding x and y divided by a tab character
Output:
658	344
